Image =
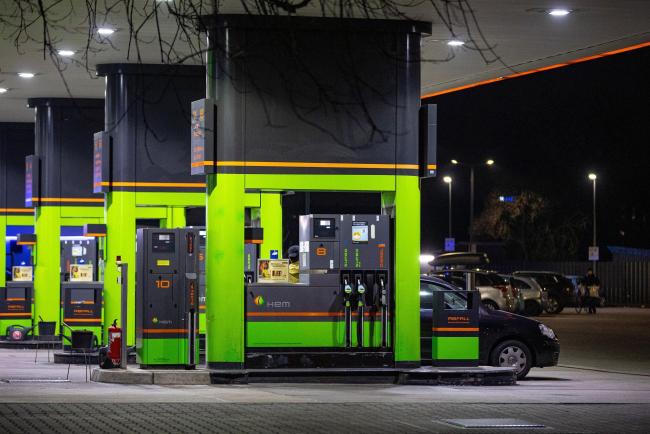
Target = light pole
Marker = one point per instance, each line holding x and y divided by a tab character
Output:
488	162
593	177
448	181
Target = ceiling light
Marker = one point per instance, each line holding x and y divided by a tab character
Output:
105	31
454	161
455	43
559	12
3	90
489	162
26	74
66	53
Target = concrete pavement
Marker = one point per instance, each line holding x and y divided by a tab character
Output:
609	393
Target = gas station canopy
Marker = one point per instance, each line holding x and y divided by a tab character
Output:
494	39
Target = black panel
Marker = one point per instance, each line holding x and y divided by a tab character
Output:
64	144
317	90
148	111
16	142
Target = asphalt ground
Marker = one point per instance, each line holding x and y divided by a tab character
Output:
602	385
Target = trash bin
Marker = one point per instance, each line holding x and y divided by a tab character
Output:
81	339
46	328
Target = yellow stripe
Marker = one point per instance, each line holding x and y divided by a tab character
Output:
152	184
25	210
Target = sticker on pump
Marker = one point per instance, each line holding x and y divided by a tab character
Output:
163	262
372	232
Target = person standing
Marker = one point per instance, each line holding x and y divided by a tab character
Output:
592	285
294	265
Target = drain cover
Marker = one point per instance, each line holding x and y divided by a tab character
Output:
493	423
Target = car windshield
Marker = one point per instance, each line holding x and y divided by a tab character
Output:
542	278
520	284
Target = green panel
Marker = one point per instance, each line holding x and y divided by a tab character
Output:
271	222
47	261
300	334
80	221
164	351
120	241
87	212
169	199
454	348
151	212
322	182
20	220
224	265
253	200
405	204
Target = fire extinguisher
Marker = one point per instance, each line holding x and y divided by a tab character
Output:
114	343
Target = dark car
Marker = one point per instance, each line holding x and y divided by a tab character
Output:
505	339
558	287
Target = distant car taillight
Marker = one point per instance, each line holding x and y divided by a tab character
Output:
515	291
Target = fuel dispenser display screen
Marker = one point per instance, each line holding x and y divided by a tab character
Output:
359	232
324	228
14	294
163	243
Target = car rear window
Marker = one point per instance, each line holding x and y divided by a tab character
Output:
495	279
542	278
520	284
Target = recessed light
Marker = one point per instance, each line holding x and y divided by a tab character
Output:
26	74
559	12
455	43
66	53
3	90
105	31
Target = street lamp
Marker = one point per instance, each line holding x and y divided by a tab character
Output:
448	180
593	177
489	162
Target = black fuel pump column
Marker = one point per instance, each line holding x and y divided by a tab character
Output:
365	264
167	297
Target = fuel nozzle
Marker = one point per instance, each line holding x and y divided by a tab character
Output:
361	290
347	288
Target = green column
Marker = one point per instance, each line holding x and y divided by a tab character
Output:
271	222
404	205
3	257
224	271
47	261
175	218
120	241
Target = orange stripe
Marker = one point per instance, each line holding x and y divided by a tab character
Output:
94	235
309	314
164	331
432	166
294	314
67	199
254	241
15	314
151	184
311	165
455	329
81	320
25	210
26	243
536	70
16	299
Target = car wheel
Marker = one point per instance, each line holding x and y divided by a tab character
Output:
532	308
490	305
514	354
553	305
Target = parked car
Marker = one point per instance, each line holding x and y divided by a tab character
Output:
505	339
532	298
496	292
558	287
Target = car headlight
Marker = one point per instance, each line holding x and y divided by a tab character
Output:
547	331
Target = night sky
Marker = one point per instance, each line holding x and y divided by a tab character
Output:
546	132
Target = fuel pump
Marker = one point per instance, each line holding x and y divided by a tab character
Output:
167	297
